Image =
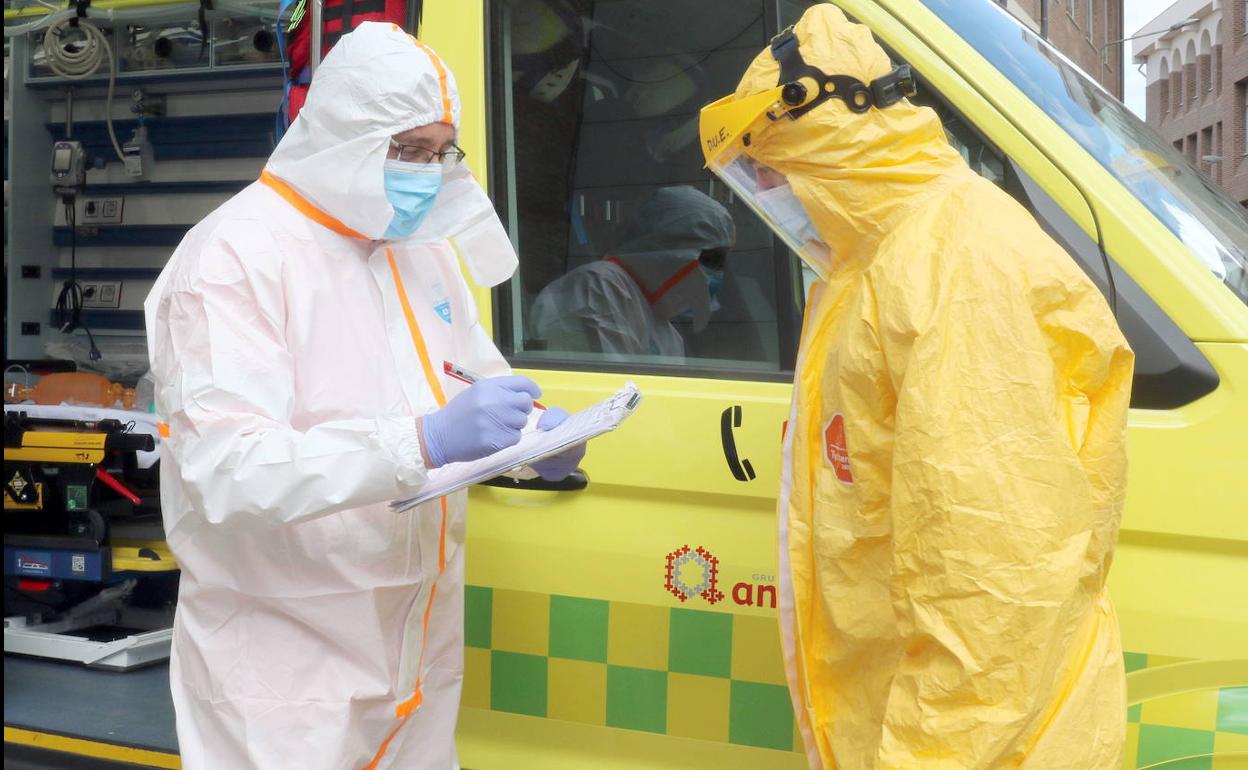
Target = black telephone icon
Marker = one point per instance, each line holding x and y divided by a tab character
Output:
741	468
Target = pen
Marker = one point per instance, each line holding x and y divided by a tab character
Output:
465	375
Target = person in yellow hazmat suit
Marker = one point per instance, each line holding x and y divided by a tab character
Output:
954	465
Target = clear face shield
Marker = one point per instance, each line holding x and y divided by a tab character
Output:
769	194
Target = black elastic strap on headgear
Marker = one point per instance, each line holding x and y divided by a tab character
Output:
858	96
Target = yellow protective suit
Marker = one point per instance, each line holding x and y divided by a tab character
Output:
955	467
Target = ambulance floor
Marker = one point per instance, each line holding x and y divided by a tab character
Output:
61	715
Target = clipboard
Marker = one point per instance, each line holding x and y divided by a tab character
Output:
534	445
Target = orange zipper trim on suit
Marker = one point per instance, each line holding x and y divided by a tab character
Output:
306	207
447	113
404	710
417	338
408	707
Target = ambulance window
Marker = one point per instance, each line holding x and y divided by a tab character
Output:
632	256
1169	369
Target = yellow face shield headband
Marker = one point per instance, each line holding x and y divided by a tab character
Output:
727	124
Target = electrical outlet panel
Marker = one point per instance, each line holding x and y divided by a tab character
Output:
101	294
102	211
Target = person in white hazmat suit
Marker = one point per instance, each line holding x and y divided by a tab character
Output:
670	265
297	337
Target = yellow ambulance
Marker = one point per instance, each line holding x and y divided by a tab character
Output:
626	617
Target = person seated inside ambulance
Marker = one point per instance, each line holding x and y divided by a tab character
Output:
666	272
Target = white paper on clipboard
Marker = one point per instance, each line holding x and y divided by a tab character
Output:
533	446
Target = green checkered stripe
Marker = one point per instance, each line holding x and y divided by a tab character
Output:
673	671
719	677
1191	731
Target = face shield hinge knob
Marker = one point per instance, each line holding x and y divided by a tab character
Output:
793	94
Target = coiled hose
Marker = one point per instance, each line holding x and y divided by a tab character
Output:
74	49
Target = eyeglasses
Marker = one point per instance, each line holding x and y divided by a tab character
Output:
412	153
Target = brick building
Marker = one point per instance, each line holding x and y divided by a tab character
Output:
1197	77
1087	31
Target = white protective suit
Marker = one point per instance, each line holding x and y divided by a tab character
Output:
622	305
293	351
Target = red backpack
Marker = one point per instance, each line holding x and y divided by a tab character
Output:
338	17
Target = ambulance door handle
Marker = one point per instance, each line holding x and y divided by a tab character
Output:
575	482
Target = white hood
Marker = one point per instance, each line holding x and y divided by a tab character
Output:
660	251
376	82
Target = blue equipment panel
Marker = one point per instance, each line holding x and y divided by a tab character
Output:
57	563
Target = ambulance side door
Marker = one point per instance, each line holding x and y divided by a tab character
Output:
639	596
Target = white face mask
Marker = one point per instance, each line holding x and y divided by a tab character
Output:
788	214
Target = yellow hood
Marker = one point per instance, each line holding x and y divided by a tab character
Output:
855	173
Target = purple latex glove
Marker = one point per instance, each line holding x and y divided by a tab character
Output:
557	467
485	418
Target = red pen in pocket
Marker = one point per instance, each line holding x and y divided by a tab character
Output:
465	375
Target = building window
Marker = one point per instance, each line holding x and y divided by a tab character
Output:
1241	109
1217	69
1219	150
1205	151
1091	16
1070	8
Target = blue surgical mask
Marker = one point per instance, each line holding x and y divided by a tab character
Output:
411	189
714	282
